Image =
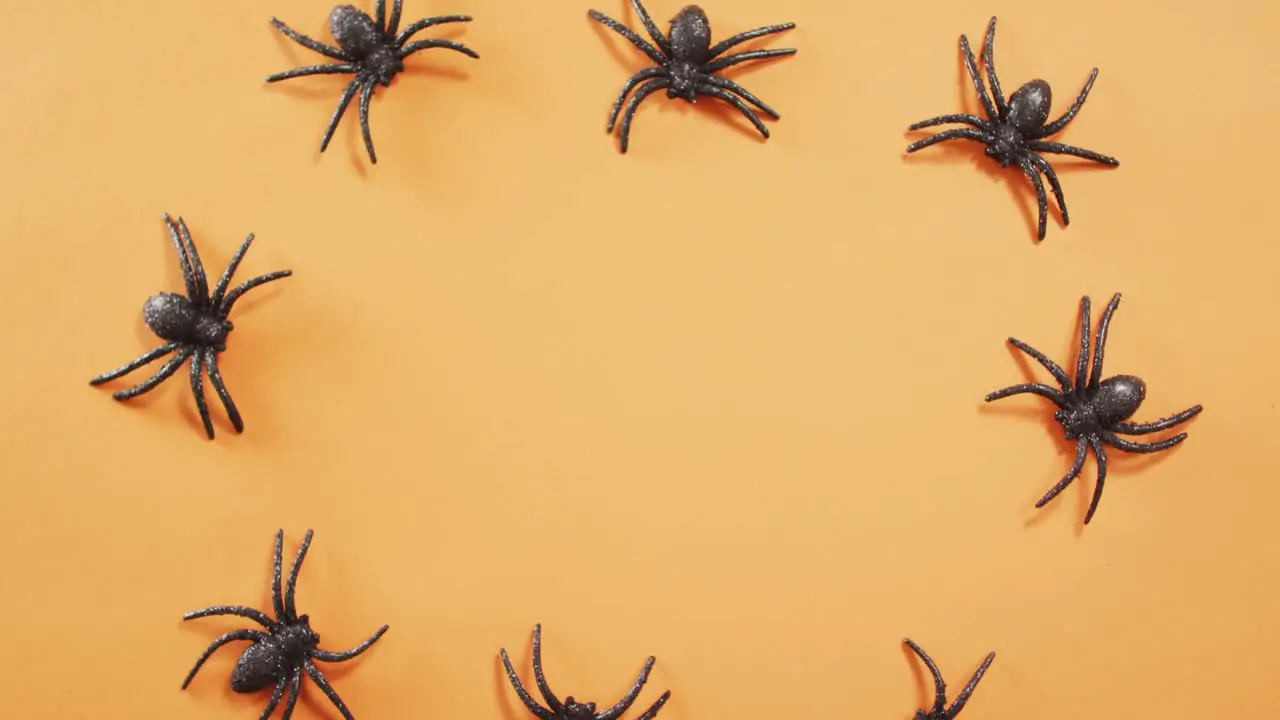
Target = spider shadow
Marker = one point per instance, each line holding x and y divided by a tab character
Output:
509	708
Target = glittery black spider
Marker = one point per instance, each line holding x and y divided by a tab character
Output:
571	709
278	657
686	63
1092	411
196	326
370	49
940	711
1014	131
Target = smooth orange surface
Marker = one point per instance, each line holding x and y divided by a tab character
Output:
717	400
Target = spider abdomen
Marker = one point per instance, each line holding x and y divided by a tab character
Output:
261	665
1029	105
354	30
175	318
1117	398
690	34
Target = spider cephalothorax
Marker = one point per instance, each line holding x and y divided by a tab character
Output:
1014	129
571	709
939	710
278	657
369	48
686	63
1094	411
195	326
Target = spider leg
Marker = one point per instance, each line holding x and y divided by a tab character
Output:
295	691
1100	454
632	82
326	656
220	289
319	679
1057	125
661	40
423	24
655	707
1053	147
626	702
953	134
276	695
963	697
988	59
1042	203
329	69
234	635
188	273
150	383
215	377
197	267
731	86
239	611
1044	167
343	102
365	95
648	88
149	357
197	390
1100	343
939	685
1130	446
310	44
643	45
524	695
380	15
731	60
973	120
972	66
1058	373
719	48
248	285
741	106
277	568
1158	425
417	45
1082	453
1082	358
539	677
290	609
1043	391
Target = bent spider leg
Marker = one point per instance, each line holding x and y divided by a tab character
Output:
1058	373
234	635
631	37
655	707
1157	425
964	695
291	586
366	94
330	69
719	48
523	694
1043	391
731	60
661	40
277	568
632	82
197	391
215	301
731	86
1082	357
343	102
724	95
973	120
954	134
188	273
239	611
417	45
972	66
626	702
150	383
197	267
425	23
939	685
1042	203
319	679
1100	343
248	285
295	691
1057	125
277	695
380	15
1100	455
648	88
215	377
1060	149
1044	167
988	59
333	657
1082	453
1130	446
539	677
310	44
150	357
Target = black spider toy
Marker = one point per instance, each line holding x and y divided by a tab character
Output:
570	709
370	49
278	657
687	63
195	326
1092	411
1014	130
940	711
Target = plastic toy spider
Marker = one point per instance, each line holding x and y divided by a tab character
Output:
1014	130
571	709
686	63
370	49
278	657
196	327
1093	411
940	711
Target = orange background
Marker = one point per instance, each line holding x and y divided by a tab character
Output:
717	400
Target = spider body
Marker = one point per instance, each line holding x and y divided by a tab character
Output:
1014	130
1094	411
570	708
288	649
194	325
373	49
686	64
939	710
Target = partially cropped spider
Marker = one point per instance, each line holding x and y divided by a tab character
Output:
1094	411
370	49
1014	130
940	711
278	657
195	325
571	709
686	63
